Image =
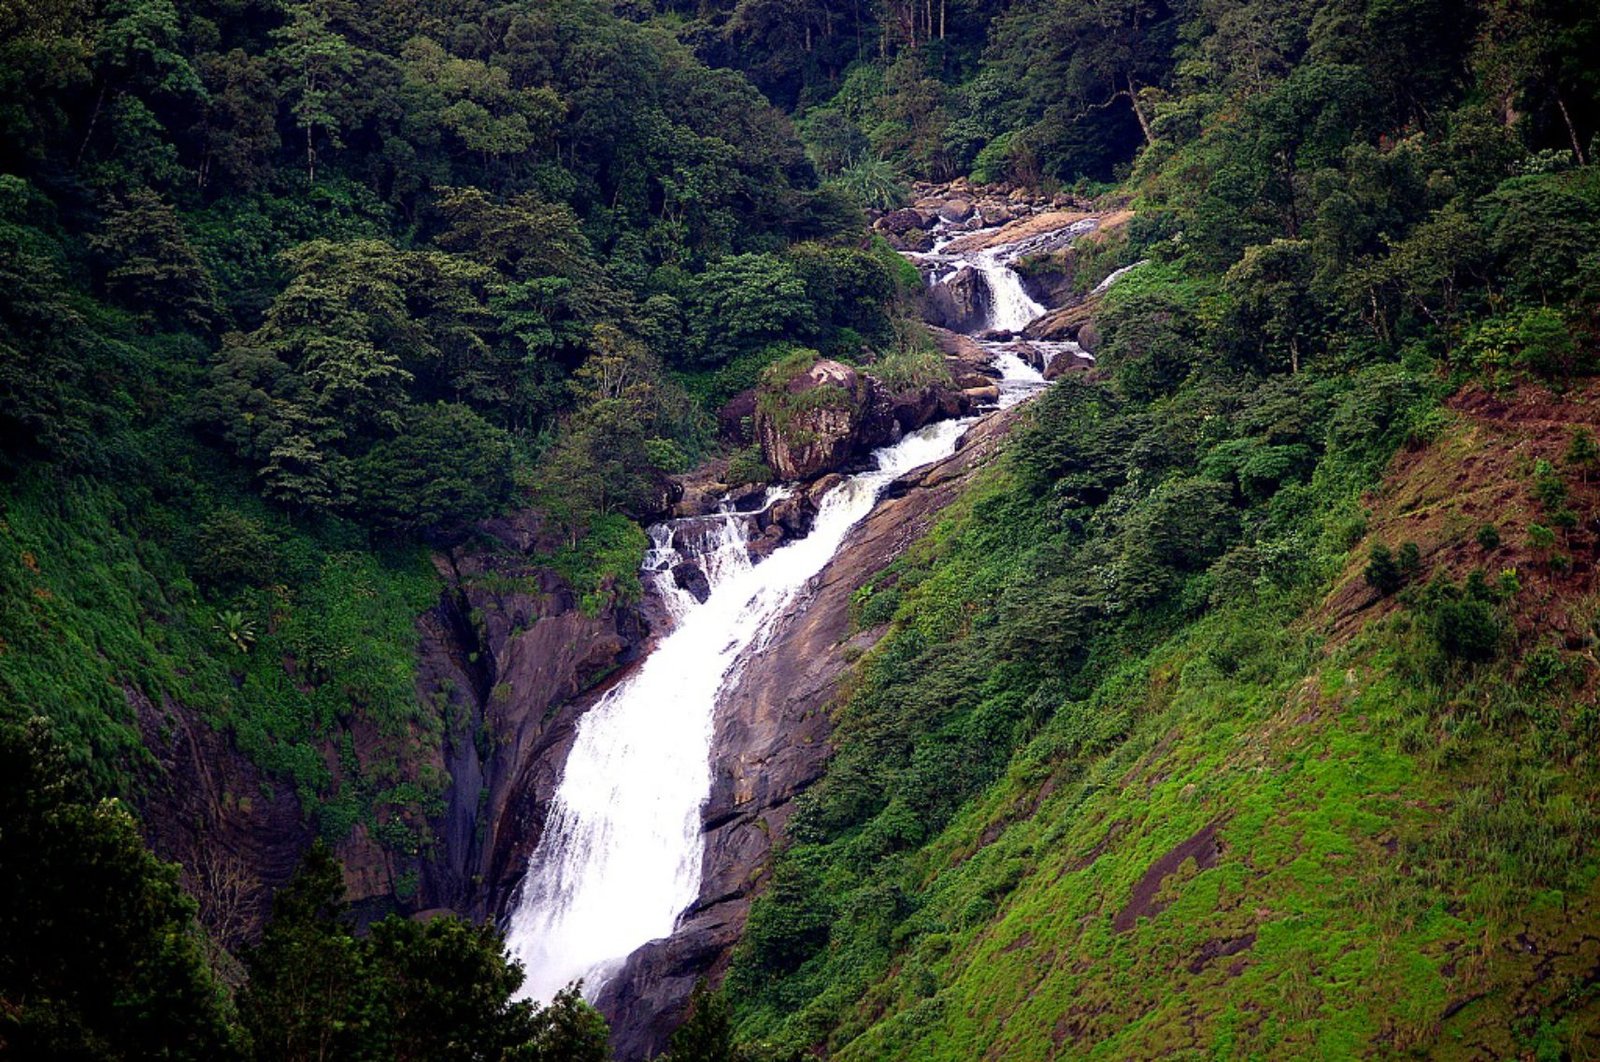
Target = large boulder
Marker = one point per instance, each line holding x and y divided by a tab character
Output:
899	222
960	302
808	424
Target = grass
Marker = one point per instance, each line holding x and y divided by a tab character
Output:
100	609
1404	856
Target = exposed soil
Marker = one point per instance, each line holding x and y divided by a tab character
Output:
1202	847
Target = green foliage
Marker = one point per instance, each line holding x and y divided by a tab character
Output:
746	465
1462	620
100	955
706	1033
435	989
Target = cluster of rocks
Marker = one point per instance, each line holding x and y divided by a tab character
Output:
960	206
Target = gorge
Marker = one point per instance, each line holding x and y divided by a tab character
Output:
623	854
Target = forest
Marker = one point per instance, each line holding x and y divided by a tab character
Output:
295	296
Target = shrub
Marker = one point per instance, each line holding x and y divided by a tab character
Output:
1462	621
1383	571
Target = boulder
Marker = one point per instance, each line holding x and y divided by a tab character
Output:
822	486
1089	336
916	240
1067	364
995	212
687	575
900	222
955	209
1061	324
960	302
809	425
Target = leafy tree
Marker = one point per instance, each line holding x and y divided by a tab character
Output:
303	998
447	466
744	302
706	1033
100	956
317	63
150	265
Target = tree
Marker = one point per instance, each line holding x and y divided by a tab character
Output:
100	956
317	63
1383	571
744	302
150	265
303	998
447	466
706	1034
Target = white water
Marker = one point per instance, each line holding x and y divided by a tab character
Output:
620	855
1011	308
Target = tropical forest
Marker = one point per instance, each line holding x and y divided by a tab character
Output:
774	530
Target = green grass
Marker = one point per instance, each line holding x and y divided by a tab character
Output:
101	607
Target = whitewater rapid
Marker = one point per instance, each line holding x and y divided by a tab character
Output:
620	856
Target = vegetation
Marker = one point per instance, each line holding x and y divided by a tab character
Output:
1247	706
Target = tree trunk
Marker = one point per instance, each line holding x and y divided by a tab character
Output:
1572	131
941	19
1144	123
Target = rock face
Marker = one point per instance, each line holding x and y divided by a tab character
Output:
959	303
517	661
808	426
771	742
831	415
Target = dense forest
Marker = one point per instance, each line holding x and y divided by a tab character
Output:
296	295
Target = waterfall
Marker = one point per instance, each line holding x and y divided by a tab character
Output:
1011	309
620	856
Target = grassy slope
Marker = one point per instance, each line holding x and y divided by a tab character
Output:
99	599
1291	831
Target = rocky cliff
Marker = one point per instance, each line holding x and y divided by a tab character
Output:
771	742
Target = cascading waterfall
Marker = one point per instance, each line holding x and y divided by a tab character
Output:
620	856
1011	308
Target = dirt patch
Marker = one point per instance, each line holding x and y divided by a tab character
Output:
1480	471
1213	950
1203	848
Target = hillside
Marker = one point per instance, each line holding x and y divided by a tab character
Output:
1154	443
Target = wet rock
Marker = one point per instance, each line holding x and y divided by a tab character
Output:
770	744
916	240
765	544
793	515
960	302
822	486
996	335
982	396
688	575
1064	323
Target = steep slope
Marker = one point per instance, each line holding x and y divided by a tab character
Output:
1294	829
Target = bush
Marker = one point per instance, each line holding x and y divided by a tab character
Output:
1463	621
1383	571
